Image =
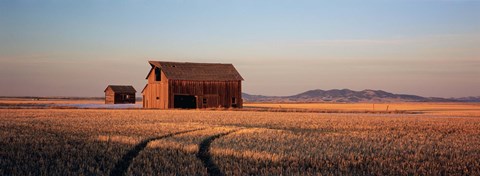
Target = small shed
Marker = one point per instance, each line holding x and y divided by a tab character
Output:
119	94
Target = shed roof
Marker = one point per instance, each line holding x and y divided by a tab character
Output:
197	71
121	89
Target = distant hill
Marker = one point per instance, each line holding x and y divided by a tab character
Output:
351	96
469	99
318	95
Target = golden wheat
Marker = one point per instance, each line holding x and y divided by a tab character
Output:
91	142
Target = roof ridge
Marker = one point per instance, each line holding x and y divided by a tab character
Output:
121	88
197	71
190	62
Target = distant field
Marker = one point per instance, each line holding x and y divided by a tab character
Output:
465	109
469	109
444	140
23	103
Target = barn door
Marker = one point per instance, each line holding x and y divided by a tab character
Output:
185	101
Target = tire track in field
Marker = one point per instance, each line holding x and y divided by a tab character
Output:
205	156
122	165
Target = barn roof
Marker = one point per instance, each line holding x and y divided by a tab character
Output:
143	90
121	89
197	71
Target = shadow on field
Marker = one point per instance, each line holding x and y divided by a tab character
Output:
122	165
205	156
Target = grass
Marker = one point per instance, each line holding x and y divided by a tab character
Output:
447	109
467	109
92	141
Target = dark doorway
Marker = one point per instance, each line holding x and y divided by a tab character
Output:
185	101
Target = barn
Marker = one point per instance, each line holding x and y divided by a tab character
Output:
117	94
192	85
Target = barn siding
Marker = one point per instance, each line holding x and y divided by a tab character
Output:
218	93
156	89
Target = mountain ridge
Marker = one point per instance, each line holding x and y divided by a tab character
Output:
351	96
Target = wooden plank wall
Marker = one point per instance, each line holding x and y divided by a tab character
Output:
156	89
224	90
109	96
120	100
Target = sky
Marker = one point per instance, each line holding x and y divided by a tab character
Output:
280	47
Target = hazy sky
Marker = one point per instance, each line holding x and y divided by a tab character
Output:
77	48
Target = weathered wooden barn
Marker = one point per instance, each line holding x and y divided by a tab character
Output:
115	94
192	85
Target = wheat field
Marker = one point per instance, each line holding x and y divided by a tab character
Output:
205	142
447	108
